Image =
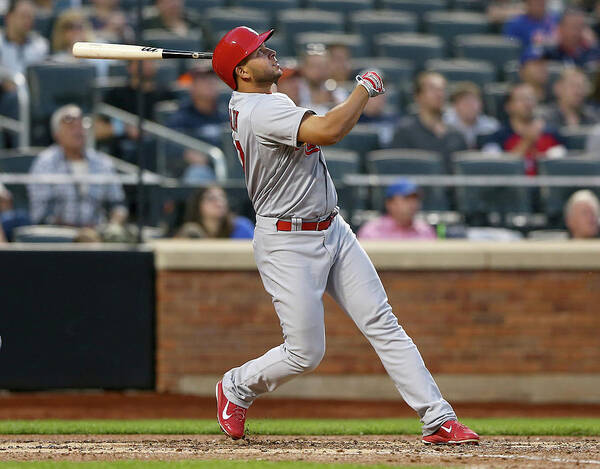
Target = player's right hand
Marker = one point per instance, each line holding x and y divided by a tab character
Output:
372	82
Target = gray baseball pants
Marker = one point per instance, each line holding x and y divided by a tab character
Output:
296	268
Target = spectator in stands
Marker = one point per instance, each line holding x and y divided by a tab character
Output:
111	132
534	27
200	117
466	114
171	17
382	118
571	110
427	130
70	27
500	11
582	211
76	204
207	215
20	45
576	43
10	218
317	91
402	202
110	22
534	72
524	135
340	63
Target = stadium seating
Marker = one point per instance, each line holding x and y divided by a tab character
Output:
363	138
484	205
492	47
273	7
418	7
407	162
223	19
17	162
341	162
52	85
370	23
354	42
575	137
454	70
449	24
295	21
417	48
395	71
554	198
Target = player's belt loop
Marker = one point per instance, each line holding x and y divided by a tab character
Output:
296	224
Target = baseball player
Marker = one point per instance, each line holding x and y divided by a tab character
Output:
303	247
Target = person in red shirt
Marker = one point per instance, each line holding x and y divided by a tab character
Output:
524	134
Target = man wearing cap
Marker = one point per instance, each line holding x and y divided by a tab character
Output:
302	245
402	202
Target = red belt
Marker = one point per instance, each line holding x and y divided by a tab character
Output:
283	225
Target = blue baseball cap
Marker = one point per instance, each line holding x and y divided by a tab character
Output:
402	187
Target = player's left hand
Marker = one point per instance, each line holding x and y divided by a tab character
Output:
372	82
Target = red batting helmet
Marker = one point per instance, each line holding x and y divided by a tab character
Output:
234	47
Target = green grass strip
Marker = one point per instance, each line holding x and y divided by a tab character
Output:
192	465
492	426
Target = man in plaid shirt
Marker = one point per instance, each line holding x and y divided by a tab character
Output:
76	204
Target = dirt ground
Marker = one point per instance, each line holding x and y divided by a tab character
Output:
496	452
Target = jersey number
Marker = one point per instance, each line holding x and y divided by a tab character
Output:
241	154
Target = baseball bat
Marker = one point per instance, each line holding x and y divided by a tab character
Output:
94	50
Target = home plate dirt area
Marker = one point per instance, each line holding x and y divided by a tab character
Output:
497	452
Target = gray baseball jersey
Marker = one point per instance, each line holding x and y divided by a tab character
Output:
297	267
284	179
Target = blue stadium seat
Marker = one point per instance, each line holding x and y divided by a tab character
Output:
370	23
12	161
495	48
354	42
418	7
415	47
484	205
449	24
494	98
225	19
409	162
575	138
363	138
341	6
341	162
296	21
274	7
454	70
395	71
554	198
52	85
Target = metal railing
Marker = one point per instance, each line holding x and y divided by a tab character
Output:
20	126
171	135
373	180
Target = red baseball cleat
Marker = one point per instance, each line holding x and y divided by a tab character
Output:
231	417
452	433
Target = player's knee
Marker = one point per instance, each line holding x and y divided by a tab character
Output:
307	359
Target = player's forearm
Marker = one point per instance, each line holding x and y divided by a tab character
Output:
333	126
347	113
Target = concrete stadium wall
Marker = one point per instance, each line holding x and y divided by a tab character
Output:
493	321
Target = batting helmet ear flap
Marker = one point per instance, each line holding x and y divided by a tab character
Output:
234	47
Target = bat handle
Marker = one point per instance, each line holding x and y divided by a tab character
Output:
178	54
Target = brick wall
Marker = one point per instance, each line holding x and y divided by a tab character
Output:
464	322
